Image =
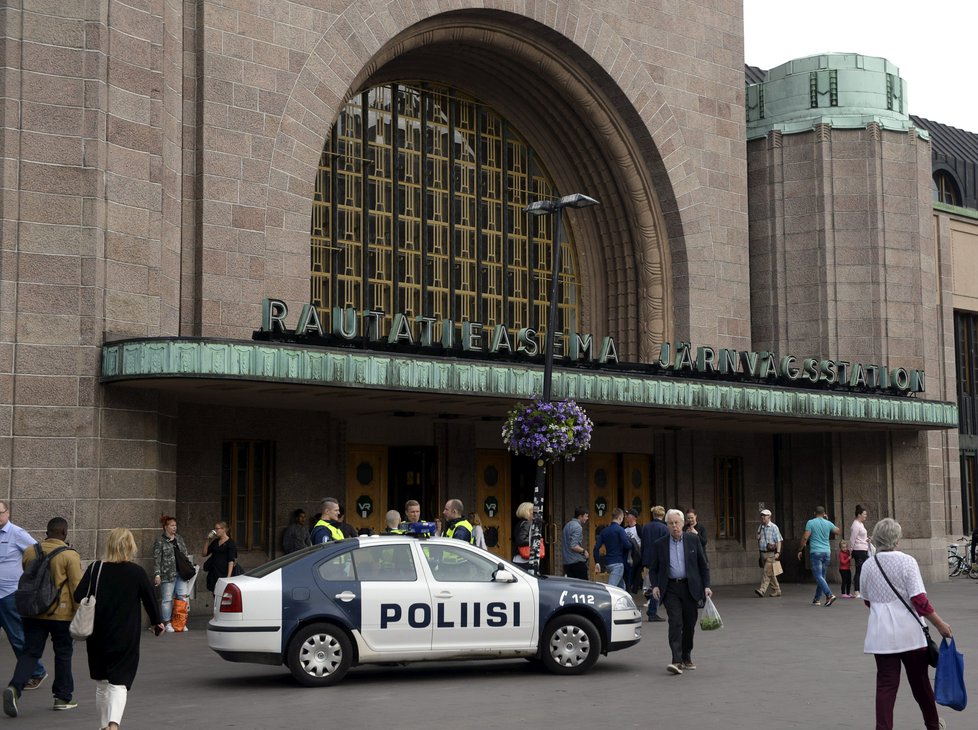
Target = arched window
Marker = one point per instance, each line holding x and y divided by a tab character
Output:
419	210
945	189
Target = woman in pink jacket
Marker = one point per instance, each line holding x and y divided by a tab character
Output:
859	545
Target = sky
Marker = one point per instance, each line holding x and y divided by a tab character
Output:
932	43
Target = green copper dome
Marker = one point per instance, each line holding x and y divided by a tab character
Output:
844	90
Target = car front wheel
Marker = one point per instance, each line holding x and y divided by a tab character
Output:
571	645
319	655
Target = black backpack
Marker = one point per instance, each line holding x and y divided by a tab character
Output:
36	591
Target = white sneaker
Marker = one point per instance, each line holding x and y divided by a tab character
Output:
186	629
169	628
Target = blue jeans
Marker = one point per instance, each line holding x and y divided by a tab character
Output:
13	626
36	631
616	574
819	563
177	587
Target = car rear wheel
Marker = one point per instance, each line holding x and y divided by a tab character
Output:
571	645
319	655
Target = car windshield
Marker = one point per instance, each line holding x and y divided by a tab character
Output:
280	562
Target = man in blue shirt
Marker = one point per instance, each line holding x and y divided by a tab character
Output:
616	547
818	531
574	553
14	541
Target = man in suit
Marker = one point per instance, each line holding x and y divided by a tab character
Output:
680	576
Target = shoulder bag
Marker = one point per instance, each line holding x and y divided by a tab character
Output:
83	622
185	568
932	651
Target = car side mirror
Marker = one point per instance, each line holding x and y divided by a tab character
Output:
501	575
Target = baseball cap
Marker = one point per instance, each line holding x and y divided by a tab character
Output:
766	512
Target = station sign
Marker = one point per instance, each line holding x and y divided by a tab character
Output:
350	327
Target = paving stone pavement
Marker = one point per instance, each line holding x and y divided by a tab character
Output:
777	663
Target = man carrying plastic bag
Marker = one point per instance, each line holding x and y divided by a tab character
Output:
680	575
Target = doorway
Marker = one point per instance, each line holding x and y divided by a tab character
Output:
523	474
413	474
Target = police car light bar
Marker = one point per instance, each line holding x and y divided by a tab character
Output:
419	529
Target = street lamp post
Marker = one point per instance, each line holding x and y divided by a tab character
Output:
554	208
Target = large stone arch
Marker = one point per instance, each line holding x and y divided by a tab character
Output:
628	148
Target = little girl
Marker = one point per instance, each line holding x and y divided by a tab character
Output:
845	561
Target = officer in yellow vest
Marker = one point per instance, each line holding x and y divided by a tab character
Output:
328	527
456	526
393	520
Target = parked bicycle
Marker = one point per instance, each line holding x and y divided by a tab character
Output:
958	564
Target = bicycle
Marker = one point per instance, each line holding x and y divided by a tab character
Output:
957	564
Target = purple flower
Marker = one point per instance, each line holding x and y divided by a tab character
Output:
547	430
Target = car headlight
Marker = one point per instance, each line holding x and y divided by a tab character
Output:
625	603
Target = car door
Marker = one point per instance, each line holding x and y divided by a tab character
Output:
469	609
395	600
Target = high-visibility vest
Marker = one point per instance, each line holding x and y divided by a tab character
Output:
336	534
450	532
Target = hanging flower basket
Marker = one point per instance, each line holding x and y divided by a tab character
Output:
548	431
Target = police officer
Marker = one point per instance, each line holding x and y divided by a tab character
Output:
328	529
393	520
412	511
456	526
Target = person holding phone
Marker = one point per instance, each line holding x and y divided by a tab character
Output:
122	587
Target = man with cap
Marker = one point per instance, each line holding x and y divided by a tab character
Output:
769	543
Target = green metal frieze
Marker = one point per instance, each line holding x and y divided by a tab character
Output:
292	364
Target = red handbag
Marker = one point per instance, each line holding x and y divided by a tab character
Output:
524	551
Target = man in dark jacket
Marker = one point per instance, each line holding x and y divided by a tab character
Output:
456	526
652	531
680	577
616	548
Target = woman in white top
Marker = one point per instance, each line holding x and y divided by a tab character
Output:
894	634
858	546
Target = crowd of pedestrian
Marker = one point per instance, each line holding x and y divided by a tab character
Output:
677	575
664	560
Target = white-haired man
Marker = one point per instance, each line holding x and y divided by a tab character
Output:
680	576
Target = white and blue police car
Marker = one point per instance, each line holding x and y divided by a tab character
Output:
401	599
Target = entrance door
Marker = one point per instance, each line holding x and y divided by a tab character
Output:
602	480
413	474
637	487
492	503
366	487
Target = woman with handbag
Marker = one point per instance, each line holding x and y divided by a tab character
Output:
172	571
221	554
522	557
894	591
113	646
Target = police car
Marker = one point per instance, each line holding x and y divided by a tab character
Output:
400	599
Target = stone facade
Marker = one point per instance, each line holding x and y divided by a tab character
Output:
158	162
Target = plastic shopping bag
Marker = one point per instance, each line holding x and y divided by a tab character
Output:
710	620
179	621
949	689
